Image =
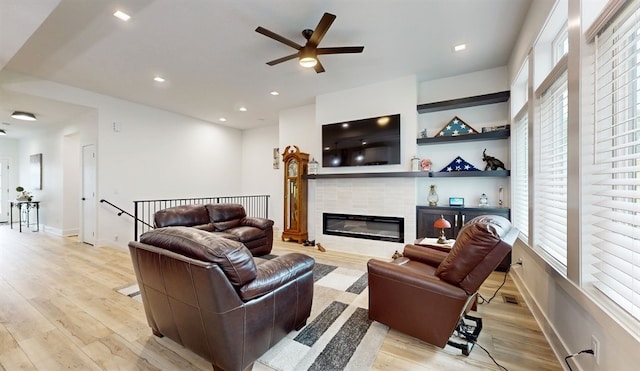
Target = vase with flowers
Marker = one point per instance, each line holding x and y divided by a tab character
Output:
23	195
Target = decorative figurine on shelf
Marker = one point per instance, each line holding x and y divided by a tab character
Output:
433	196
425	164
313	166
500	194
423	133
492	162
484	201
415	163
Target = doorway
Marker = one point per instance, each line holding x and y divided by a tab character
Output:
4	186
88	222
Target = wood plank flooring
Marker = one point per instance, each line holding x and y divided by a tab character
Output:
59	310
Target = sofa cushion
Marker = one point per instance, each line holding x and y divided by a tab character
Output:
233	257
184	215
225	216
474	243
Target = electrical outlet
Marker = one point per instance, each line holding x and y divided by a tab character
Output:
595	346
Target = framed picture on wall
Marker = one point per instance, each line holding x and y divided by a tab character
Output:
35	170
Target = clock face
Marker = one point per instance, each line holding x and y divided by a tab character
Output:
292	169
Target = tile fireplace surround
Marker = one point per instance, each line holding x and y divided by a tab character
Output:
362	196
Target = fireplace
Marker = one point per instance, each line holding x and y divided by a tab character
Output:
382	228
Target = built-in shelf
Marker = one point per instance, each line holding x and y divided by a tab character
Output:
492	135
412	174
477	100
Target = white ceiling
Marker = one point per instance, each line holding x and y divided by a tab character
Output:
214	61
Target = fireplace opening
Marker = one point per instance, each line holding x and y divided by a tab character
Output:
382	228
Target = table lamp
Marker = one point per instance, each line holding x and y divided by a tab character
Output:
443	224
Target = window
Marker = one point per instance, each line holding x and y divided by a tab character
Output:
550	171
520	174
613	177
561	44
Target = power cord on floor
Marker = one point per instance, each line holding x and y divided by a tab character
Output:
490	356
566	359
504	280
466	332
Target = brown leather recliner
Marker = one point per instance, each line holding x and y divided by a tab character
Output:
225	220
212	296
427	292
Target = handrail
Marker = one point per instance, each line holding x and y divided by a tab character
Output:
121	211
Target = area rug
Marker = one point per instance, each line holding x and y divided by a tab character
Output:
338	334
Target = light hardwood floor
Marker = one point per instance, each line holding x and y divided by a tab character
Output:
59	310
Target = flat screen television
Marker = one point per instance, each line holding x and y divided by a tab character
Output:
365	142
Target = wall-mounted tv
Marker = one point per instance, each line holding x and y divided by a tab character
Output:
365	142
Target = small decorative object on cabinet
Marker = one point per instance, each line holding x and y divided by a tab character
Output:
295	194
433	196
442	224
484	201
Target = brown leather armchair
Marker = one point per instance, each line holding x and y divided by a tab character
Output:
427	292
212	296
225	220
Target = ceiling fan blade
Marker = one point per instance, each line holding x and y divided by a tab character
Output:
340	50
318	67
283	59
277	37
321	29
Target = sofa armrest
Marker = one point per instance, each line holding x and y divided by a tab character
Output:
425	254
261	223
422	282
275	273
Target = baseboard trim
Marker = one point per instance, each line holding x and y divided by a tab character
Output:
555	342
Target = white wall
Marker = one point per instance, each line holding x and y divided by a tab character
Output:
258	175
568	314
150	154
9	151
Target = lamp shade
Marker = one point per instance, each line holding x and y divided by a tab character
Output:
308	57
442	223
27	116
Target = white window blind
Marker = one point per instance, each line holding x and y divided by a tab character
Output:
550	209
615	172
520	175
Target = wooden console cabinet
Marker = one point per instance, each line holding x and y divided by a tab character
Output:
457	217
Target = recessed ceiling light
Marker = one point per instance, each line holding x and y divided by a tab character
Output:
121	15
222	119
242	109
460	47
159	79
274	93
26	116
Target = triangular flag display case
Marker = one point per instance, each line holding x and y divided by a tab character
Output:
456	127
458	164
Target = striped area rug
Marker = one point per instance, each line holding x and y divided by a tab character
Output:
338	334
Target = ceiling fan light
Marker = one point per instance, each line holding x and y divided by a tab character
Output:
26	116
308	62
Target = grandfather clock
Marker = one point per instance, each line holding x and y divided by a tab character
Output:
295	194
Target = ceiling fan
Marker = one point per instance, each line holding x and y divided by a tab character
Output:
308	53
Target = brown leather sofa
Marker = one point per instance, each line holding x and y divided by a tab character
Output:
427	292
212	296
225	220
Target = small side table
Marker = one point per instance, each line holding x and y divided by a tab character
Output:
28	205
433	243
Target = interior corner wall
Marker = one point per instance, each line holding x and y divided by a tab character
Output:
259	175
475	83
